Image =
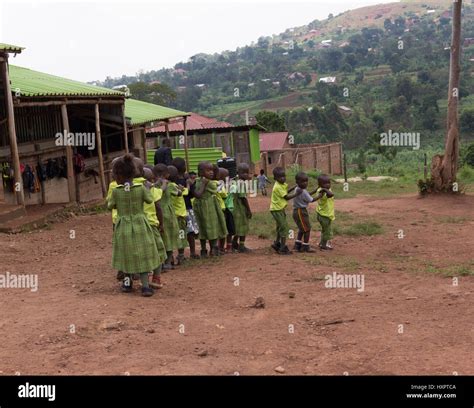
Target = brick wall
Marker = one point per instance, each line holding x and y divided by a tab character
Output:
326	158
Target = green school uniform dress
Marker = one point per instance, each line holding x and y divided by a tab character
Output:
170	227
150	212
241	221
134	247
209	215
277	208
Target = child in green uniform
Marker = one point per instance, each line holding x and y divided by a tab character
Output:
209	215
280	196
154	216
134	247
221	176
325	211
138	179
241	212
170	223
179	207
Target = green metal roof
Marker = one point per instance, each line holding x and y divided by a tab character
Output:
143	112
31	83
11	48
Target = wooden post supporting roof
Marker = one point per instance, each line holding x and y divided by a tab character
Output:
167	128
20	195
125	129
186	143
70	167
98	138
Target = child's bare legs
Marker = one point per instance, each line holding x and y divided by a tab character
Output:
203	248
222	242
169	256
214	247
192	245
229	243
181	257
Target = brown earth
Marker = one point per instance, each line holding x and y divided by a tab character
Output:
201	322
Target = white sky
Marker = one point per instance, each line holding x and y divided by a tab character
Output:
91	40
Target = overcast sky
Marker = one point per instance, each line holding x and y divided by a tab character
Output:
91	40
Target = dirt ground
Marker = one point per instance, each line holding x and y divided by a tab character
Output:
201	322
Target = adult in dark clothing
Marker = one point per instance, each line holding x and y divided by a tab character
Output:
164	155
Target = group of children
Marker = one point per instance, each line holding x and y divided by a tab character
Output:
281	194
157	210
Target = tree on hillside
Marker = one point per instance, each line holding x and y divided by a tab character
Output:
271	121
159	94
444	167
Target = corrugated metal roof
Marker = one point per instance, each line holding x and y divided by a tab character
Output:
194	122
143	112
273	141
34	83
11	48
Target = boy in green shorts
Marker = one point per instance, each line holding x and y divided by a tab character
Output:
325	210
280	196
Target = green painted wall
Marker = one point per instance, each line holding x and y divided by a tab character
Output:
196	155
254	142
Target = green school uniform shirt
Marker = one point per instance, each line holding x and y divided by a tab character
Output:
179	204
221	195
113	185
278	193
326	206
150	209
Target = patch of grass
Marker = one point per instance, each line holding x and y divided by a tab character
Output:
340	262
453	220
464	269
363	228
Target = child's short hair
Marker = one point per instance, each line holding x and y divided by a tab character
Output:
125	167
203	165
180	164
160	169
139	165
278	171
173	172
323	178
301	175
192	173
262	172
243	167
148	174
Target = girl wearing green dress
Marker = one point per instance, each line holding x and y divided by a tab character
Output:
134	248
209	215
241	211
170	223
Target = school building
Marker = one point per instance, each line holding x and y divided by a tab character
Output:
58	137
208	139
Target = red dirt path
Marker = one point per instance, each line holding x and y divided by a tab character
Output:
222	334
